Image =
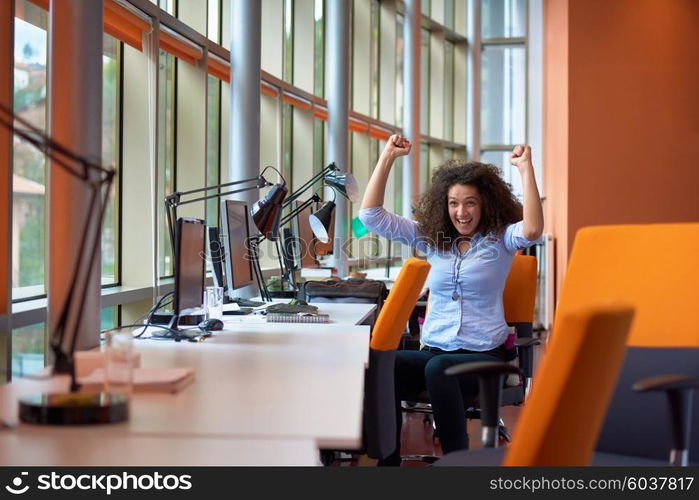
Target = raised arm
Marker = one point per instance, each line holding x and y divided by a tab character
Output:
372	214
395	146
521	158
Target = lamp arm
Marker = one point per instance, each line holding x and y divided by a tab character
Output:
282	268
287	218
253	246
172	201
277	171
296	194
64	362
99	179
48	146
96	243
175	198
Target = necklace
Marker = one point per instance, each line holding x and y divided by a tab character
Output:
458	259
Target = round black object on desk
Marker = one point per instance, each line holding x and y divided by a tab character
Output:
74	408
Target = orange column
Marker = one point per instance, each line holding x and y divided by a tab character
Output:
7	34
621	116
75	120
556	129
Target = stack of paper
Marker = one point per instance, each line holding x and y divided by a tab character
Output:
145	379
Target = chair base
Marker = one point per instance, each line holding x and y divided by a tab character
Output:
430	459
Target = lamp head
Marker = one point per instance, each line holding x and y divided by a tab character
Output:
267	212
320	221
345	184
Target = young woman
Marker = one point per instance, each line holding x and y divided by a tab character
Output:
469	225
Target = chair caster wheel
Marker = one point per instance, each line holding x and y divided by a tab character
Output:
503	435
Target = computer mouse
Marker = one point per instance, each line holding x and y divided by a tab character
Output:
211	324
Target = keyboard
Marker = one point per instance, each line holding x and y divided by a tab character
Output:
248	302
238	312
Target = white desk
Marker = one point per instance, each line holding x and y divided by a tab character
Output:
340	314
379	273
259	382
107	446
348	343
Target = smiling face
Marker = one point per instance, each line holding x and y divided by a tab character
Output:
464	203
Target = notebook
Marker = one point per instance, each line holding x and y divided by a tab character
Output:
298	318
145	379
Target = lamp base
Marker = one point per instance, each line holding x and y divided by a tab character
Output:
74	408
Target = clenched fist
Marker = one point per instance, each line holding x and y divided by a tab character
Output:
396	146
521	157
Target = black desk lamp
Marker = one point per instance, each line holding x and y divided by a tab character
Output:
341	182
265	212
256	240
72	407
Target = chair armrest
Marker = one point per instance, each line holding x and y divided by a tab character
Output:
525	345
491	377
666	383
527	342
483	368
678	389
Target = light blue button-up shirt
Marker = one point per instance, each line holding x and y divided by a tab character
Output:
464	310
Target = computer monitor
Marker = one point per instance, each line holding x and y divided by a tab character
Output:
306	238
216	256
234	234
290	249
190	266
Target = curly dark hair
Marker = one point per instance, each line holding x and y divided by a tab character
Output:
500	207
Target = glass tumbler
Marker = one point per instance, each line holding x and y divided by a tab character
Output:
118	362
213	300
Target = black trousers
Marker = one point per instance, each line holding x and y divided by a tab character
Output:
417	371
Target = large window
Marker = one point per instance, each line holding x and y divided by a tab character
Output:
449	91
400	54
374	59
28	348
111	134
319	43
503	100
288	59
213	146
29	165
424	82
169	6
166	155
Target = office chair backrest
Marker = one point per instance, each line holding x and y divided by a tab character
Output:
379	401
519	295
560	422
401	300
653	267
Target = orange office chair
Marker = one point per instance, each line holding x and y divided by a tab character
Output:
379	402
519	301
577	374
612	263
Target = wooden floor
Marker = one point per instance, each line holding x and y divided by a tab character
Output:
417	437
